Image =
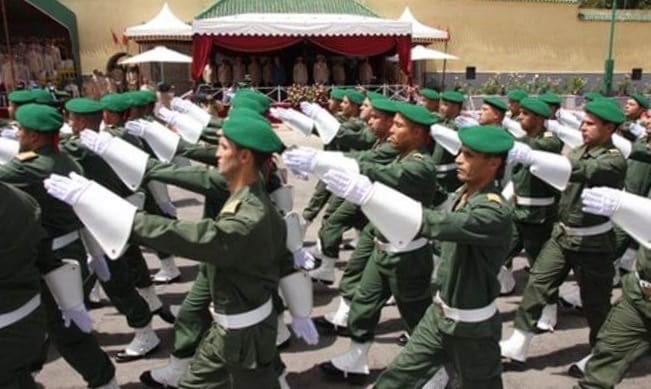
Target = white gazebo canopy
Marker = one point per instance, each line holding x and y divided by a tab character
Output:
422	33
163	25
158	54
421	53
300	25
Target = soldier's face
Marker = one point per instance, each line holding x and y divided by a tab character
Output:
77	123
365	110
228	158
633	109
12	111
474	167
528	120
380	123
26	139
346	107
514	107
333	105
595	131
489	115
449	110
404	135
431	105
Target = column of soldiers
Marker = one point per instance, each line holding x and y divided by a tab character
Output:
442	201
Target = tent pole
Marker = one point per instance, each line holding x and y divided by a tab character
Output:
8	40
162	72
445	63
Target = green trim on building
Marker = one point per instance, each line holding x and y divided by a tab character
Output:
236	7
62	15
605	15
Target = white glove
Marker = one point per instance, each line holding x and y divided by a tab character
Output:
166	115
568	118
66	189
521	153
181	105
277	113
310	109
10	133
97	142
303	259
303	328
601	201
465	121
97	264
353	187
514	128
634	128
78	315
300	161
136	128
554	126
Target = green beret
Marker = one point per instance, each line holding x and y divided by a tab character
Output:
536	106
385	105
354	96
374	96
245	111
149	96
42	96
516	95
453	96
246	101
430	94
337	94
251	133
21	97
39	118
641	99
84	106
257	96
496	102
606	111
551	98
592	96
486	139
115	102
137	99
417	114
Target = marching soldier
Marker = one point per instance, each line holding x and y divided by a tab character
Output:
429	98
636	105
462	327
515	96
68	325
579	241
535	201
446	170
243	249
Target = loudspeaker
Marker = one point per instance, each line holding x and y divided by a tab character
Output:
470	72
636	74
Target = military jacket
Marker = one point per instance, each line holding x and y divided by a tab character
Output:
526	184
244	247
447	179
20	233
475	240
603	165
638	171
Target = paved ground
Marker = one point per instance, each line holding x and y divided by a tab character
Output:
550	356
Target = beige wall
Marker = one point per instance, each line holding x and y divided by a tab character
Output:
511	36
500	36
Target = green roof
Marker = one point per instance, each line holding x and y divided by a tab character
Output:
622	15
236	7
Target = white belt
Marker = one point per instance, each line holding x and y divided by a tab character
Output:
64	240
392	249
644	284
588	231
446	168
9	318
534	201
242	320
466	315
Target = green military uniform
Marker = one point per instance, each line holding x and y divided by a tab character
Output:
624	336
589	256
536	202
446	168
19	285
474	241
638	181
27	172
404	275
193	319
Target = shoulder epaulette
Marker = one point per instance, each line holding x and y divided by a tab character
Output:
231	207
494	197
26	156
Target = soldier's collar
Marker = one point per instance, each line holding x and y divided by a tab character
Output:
598	150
